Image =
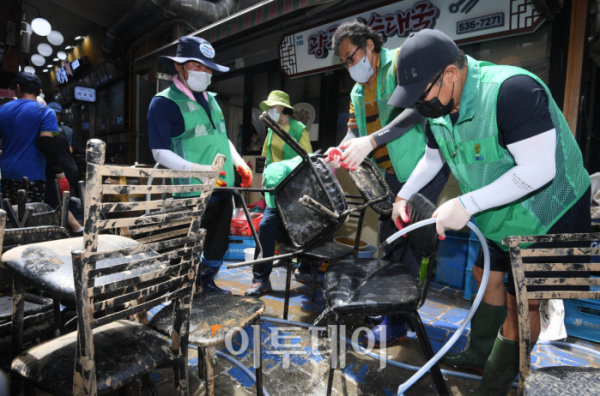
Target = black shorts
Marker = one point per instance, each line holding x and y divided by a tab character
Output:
576	220
37	190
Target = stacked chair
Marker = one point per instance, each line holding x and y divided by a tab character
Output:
110	279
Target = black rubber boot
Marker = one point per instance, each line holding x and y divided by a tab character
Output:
208	281
484	328
501	368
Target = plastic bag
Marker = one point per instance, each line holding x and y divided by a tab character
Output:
552	320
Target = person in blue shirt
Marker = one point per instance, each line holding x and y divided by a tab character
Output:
27	129
186	128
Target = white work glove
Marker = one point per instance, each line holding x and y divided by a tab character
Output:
334	157
399	214
355	151
451	215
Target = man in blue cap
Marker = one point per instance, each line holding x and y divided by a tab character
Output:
186	128
519	169
27	129
58	110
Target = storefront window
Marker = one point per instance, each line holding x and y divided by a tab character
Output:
529	51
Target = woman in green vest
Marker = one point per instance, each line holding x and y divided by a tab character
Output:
519	169
186	128
392	137
275	150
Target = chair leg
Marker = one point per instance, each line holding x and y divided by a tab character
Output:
335	344
315	281
148	387
417	325
288	281
258	350
209	375
57	318
17	331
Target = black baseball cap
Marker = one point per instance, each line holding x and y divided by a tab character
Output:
193	48
422	55
25	79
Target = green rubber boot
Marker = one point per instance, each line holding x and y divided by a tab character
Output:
484	328
501	368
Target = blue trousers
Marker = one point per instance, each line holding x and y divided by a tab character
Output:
270	230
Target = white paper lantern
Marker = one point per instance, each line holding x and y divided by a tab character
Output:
29	69
55	38
44	49
38	60
61	55
41	26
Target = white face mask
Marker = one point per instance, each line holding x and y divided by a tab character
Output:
361	71
274	114
198	81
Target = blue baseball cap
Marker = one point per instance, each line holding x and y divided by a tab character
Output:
56	107
193	48
25	79
422	55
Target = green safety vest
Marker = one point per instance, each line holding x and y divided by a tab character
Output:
296	130
406	151
479	159
275	174
200	142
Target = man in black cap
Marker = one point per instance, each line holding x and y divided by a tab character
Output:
186	127
27	129
519	168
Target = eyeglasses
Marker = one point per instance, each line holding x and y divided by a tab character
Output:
350	59
422	97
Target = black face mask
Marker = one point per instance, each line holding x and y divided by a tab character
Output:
434	108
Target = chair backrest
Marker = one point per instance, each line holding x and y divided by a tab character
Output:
550	253
136	276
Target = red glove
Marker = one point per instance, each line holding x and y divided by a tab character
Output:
334	157
221	183
63	185
246	175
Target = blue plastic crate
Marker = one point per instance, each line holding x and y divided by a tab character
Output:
237	244
582	319
452	259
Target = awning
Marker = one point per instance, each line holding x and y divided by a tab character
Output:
236	23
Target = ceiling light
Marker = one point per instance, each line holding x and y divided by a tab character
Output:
19	68
68	47
79	37
55	38
45	70
61	55
38	60
55	59
41	26
29	69
44	49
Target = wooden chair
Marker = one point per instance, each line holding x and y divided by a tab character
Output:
575	258
115	278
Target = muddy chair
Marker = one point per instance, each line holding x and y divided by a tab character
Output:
363	287
121	276
573	255
312	207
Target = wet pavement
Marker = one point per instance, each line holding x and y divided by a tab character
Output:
294	363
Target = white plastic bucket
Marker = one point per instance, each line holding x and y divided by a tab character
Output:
249	254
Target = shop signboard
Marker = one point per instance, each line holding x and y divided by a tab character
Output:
465	21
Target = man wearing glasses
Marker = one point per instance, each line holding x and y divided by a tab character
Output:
519	169
394	137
